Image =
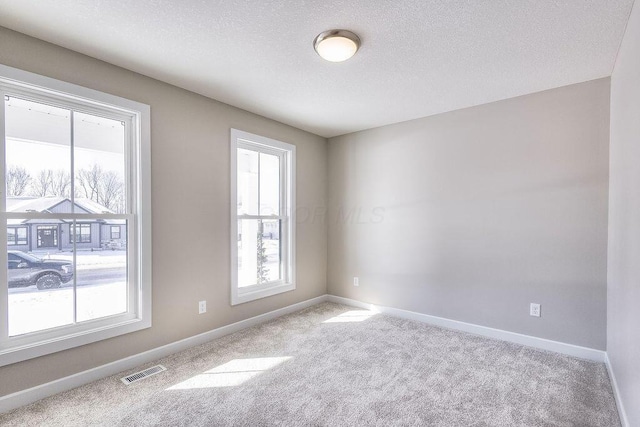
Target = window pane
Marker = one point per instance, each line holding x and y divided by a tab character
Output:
247	253
21	236
84	233
259	258
37	155
247	183
116	232
40	286
269	184
99	159
101	276
11	236
270	247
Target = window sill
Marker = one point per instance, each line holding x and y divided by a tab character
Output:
19	353
239	296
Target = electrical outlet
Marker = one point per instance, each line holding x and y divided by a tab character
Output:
356	281
202	307
534	309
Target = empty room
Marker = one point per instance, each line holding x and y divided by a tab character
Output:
279	213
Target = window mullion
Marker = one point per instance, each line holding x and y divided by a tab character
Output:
4	290
3	201
259	185
261	217
72	174
132	156
74	230
284	224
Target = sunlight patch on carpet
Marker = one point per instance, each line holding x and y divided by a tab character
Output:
231	374
352	316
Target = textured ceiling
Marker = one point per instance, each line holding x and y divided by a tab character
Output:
418	57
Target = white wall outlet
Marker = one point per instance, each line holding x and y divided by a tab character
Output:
534	309
356	281
202	307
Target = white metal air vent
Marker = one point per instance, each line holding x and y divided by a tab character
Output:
143	374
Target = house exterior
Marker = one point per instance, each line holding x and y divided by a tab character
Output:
29	235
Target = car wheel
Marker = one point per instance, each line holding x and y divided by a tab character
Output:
48	281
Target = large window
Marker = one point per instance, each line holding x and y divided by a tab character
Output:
262	222
74	159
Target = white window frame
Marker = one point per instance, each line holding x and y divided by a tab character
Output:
287	154
138	153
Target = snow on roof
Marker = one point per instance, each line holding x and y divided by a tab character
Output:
37	204
91	206
42	204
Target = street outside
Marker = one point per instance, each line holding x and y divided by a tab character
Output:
92	268
100	291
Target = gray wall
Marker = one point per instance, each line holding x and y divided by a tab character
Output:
623	325
471	215
190	173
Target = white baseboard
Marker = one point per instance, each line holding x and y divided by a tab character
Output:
31	395
541	343
616	393
24	397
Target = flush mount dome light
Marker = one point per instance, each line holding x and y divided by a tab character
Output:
336	45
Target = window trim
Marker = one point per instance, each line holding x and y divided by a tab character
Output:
246	140
82	99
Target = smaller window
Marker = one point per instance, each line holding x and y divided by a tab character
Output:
115	232
262	217
83	233
16	236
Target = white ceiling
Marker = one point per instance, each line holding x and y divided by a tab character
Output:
418	57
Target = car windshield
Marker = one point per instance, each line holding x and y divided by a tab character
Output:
29	257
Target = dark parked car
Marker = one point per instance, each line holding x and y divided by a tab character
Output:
27	270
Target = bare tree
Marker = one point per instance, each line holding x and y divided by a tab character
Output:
104	187
51	183
18	180
88	182
60	183
112	189
42	184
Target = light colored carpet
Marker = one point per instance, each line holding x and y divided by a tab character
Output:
332	365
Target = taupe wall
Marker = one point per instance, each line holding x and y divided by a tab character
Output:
471	215
623	325
190	161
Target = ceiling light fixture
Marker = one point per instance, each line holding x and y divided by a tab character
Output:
336	45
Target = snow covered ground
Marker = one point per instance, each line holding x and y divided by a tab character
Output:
100	291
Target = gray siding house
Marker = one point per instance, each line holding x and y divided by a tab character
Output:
58	235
